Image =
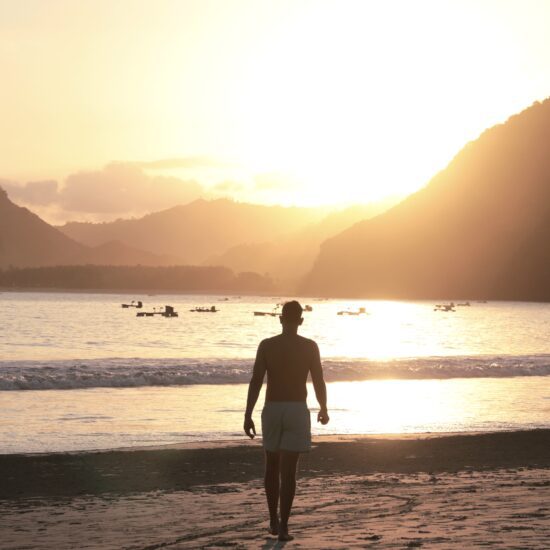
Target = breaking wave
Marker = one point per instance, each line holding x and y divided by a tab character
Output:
128	373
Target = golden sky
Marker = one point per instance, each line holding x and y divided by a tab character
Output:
288	101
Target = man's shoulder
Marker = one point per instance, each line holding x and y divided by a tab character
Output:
278	338
270	342
308	346
308	342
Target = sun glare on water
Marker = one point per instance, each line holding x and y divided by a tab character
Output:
394	406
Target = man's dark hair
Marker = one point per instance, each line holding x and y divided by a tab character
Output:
292	311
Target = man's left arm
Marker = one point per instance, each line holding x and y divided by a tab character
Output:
254	389
316	370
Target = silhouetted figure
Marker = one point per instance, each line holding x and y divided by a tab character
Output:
286	426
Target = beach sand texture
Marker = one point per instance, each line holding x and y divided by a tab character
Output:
455	491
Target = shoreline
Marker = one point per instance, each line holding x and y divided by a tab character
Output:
221	444
142	291
124	469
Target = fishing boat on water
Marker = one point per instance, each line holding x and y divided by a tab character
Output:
360	311
134	303
274	313
445	307
168	311
265	314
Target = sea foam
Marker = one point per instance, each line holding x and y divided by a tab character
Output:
127	373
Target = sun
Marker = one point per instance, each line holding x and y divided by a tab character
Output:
360	111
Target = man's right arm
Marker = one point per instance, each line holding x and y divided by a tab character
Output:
254	389
319	385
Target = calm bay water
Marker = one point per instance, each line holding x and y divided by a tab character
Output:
77	371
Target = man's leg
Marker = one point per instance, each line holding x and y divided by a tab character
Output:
271	485
289	461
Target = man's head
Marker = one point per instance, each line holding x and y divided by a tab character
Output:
291	315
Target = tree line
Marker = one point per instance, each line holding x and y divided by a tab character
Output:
93	277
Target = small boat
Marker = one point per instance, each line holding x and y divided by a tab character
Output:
167	312
445	307
466	304
308	308
211	309
133	303
360	311
275	313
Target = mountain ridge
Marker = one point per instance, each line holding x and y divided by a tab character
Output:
289	259
28	241
198	230
478	229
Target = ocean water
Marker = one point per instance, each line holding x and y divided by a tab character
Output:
78	372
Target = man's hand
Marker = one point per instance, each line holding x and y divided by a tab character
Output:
249	428
323	417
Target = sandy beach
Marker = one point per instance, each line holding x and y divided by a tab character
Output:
452	491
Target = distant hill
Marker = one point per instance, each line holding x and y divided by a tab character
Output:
116	253
480	229
196	231
28	241
289	259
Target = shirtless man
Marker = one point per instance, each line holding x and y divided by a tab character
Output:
286	426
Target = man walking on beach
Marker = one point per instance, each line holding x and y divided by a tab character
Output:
286	426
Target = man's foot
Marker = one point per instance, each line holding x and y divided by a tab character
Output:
283	534
274	527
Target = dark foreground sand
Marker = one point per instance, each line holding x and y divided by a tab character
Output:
457	491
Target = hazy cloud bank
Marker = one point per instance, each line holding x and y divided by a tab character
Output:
126	189
119	189
265	187
199	161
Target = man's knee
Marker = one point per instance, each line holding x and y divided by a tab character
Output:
289	458
289	462
272	461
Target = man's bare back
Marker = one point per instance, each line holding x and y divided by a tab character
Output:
288	359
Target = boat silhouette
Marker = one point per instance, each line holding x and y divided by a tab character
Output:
138	304
360	311
168	311
211	309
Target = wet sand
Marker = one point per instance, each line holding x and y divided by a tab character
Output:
452	491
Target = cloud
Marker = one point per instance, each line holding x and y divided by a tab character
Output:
228	187
33	193
270	186
185	162
269	181
119	189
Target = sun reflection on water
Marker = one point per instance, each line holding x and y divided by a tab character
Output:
414	406
95	326
390	406
60	420
388	330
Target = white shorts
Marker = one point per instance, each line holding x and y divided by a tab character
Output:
286	426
